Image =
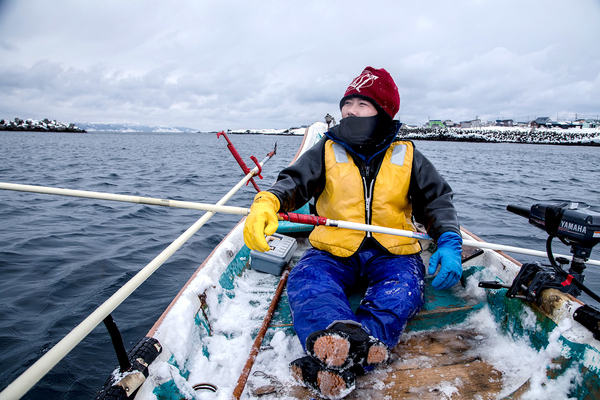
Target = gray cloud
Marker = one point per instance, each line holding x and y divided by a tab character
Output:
270	64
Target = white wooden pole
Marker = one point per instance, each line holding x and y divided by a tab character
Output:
124	198
466	242
42	366
245	211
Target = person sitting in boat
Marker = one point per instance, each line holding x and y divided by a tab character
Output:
360	172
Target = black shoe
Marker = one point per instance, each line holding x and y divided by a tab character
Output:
331	384
345	345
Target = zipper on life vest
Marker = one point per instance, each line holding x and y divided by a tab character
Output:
367	204
368	188
368	185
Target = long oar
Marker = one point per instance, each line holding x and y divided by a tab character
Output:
42	366
241	383
315	220
299	218
113	197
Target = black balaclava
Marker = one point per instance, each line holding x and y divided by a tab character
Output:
365	136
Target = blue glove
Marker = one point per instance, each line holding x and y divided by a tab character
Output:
449	249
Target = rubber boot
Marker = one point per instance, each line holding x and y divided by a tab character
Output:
344	345
329	383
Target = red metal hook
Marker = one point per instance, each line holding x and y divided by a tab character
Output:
258	165
241	162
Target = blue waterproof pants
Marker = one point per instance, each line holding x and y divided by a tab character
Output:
319	286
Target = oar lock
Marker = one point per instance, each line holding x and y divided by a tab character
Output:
125	383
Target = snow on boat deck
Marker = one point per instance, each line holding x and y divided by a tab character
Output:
472	359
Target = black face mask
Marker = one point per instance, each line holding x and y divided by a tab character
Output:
366	135
359	131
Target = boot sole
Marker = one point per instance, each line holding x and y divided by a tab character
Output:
332	385
378	354
329	384
332	350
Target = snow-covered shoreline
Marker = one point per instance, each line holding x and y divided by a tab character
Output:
33	125
289	131
490	134
577	137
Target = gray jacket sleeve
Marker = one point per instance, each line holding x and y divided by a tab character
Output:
431	198
299	182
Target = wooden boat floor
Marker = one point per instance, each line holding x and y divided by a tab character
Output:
425	365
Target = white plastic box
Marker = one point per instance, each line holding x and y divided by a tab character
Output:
274	260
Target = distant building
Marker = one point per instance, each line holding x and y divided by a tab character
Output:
591	123
438	123
541	122
449	123
504	122
475	123
546	122
564	124
435	123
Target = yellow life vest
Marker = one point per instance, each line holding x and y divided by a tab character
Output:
343	198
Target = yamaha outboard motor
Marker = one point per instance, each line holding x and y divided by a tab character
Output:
579	229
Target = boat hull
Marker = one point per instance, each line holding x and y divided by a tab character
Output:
466	342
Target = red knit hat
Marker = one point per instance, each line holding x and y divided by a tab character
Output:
377	86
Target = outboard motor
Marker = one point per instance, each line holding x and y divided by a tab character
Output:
576	228
579	229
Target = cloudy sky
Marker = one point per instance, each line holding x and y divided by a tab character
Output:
226	64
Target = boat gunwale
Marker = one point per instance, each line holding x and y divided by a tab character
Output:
208	258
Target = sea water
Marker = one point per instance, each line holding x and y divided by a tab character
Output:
61	257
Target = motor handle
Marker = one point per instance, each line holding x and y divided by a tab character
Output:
519	210
492	285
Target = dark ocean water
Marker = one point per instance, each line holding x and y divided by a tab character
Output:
61	257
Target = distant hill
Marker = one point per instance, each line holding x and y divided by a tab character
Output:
128	127
289	131
131	127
